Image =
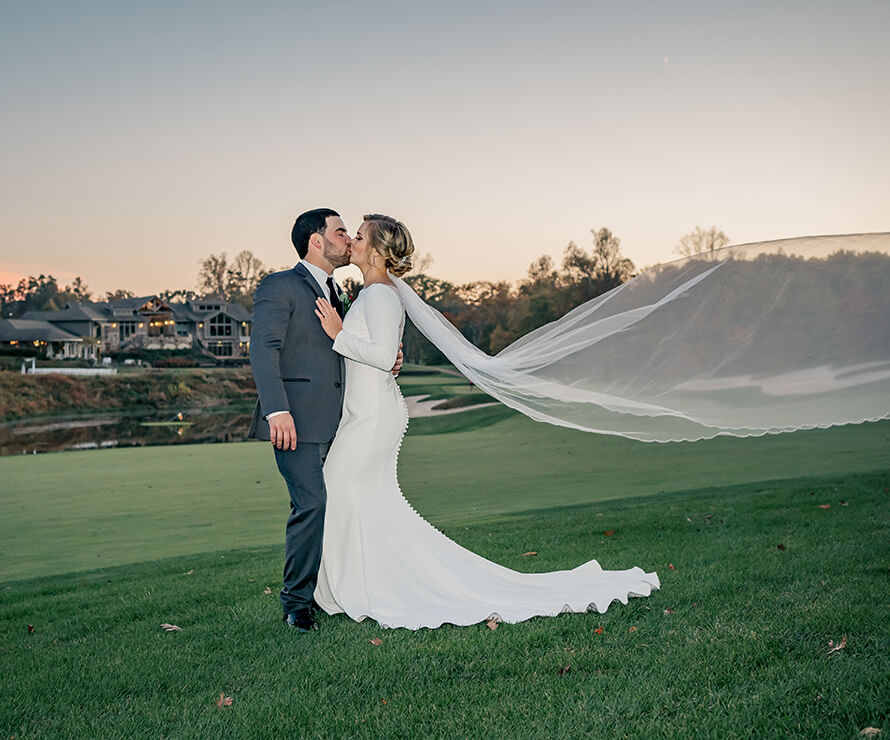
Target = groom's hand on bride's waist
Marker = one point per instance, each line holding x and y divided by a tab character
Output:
283	432
399	359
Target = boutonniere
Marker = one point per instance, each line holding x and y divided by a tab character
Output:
345	301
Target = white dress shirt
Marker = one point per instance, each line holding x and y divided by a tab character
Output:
321	277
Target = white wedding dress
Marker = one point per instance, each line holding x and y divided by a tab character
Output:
380	559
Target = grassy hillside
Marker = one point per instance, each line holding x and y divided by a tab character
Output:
25	396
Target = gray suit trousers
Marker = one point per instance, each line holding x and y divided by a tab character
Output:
302	470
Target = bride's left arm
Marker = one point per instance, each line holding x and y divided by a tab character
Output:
383	313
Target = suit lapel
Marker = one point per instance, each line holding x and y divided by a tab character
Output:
301	270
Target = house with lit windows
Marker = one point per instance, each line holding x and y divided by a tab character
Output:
89	329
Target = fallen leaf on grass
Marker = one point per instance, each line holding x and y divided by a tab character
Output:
251	580
708	517
781	547
824	506
562	671
529	553
840	646
671	566
224	701
609	532
190	572
30	629
695	604
170	628
631	629
598	631
376	641
267	591
870	732
668	611
492	624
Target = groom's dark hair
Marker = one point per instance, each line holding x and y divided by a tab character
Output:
307	224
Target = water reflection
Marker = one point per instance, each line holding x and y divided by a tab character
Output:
191	426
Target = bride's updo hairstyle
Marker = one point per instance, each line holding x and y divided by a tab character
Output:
392	241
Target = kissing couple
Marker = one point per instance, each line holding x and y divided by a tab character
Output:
332	409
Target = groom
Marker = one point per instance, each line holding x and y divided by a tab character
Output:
300	380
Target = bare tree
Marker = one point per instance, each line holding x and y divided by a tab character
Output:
698	241
212	275
233	281
245	274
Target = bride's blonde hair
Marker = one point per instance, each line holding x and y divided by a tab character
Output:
392	241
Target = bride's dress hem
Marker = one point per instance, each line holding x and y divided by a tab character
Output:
395	623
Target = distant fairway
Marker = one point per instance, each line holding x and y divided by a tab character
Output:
75	510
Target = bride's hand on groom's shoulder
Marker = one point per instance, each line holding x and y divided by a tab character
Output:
329	318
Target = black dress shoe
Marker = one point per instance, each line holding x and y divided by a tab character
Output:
301	620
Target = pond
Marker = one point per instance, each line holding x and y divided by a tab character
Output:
190	426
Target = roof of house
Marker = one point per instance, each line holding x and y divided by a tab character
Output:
184	312
71	312
25	330
129	307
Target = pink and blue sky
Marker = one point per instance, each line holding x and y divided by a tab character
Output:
140	137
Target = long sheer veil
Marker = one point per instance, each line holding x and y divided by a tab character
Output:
747	340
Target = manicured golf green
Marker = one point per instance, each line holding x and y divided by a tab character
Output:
75	510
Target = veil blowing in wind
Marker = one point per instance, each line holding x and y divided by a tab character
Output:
747	340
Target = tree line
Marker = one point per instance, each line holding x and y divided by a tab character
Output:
490	314
232	280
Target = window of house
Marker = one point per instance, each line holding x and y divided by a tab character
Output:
221	349
126	329
220	326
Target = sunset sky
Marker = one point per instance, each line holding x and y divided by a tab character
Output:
140	137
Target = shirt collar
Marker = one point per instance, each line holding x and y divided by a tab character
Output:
321	277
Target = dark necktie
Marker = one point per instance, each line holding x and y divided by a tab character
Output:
335	297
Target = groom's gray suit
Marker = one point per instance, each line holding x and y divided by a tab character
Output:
296	370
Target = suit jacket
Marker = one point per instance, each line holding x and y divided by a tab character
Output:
293	363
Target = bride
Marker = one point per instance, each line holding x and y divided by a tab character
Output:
380	559
748	340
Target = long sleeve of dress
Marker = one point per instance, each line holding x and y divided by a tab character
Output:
383	315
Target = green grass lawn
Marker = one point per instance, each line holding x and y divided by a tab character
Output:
734	645
99	548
